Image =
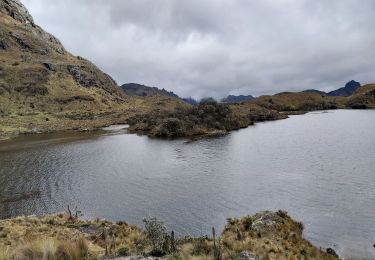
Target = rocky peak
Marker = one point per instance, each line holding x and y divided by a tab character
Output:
24	33
346	91
16	10
352	85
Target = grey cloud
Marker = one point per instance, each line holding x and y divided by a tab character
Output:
216	47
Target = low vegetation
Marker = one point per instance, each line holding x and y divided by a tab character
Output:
266	235
207	118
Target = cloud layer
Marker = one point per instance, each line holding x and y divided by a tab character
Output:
219	47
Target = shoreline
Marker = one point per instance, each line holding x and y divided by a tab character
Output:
98	126
265	235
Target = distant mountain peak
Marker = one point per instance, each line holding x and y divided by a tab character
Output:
235	99
346	91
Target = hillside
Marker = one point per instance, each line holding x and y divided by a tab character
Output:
322	93
363	97
45	88
134	89
302	101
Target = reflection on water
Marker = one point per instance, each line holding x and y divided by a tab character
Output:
318	166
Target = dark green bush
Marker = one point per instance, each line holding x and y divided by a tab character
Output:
156	233
192	120
123	251
171	127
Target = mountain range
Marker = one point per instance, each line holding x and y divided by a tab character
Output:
135	89
346	91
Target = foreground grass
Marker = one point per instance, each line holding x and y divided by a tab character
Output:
266	235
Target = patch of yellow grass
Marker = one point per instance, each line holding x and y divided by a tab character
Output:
52	249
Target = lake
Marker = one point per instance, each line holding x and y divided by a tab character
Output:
320	167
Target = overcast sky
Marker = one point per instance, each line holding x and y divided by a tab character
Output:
204	48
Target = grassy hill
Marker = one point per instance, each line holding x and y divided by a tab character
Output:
363	97
301	101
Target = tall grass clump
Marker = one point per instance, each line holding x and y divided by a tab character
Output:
53	250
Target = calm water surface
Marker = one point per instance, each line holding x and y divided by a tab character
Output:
320	167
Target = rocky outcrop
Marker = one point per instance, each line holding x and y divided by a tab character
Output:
31	37
87	76
270	235
247	255
16	10
135	89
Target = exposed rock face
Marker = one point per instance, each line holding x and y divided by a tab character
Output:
88	77
134	89
16	10
40	42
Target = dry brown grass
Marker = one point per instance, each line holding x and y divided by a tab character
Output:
53	250
364	97
300	101
57	234
268	235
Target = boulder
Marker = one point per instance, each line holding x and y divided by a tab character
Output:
247	255
332	252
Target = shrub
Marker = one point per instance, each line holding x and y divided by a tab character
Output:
359	106
187	121
247	222
123	251
155	232
171	127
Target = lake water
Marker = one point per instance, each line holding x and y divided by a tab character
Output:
320	167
